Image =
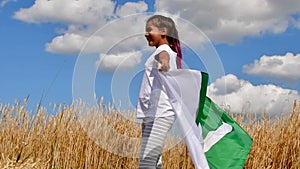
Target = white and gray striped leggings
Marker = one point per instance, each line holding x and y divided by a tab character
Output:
154	131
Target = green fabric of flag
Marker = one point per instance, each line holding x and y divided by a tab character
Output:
231	151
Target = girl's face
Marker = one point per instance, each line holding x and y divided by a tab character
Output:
154	35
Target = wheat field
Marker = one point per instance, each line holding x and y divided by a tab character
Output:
69	139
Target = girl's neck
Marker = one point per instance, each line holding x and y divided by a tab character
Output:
162	43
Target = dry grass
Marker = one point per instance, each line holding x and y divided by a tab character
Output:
70	139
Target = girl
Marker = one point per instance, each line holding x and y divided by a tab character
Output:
154	107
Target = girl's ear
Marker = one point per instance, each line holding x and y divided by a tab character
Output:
163	31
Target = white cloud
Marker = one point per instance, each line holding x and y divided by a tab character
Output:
131	8
67	12
284	68
230	21
68	43
122	61
236	95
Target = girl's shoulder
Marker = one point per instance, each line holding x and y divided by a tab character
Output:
172	55
166	48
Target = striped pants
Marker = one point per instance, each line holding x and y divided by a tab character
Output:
154	131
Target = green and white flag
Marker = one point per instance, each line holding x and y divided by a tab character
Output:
226	144
213	138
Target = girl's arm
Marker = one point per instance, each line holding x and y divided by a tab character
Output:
163	59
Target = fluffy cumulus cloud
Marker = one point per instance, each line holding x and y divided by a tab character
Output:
69	43
284	68
131	8
240	96
111	37
229	21
112	62
67	12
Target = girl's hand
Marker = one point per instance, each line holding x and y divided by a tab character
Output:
163	59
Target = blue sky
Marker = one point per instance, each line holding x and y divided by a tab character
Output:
257	43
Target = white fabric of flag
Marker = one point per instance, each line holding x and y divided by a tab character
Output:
182	87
